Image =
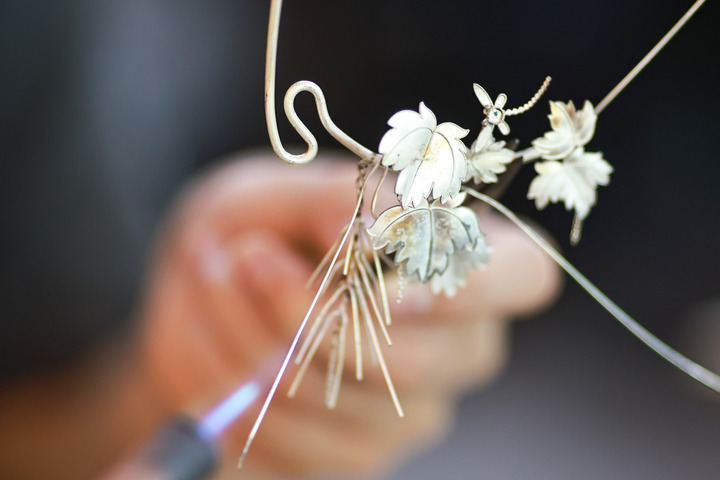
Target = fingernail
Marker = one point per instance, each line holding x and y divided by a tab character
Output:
258	262
214	261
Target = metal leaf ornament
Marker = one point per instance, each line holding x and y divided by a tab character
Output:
430	157
488	158
460	264
573	181
426	237
575	178
571	128
494	111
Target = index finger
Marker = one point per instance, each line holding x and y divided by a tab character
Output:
308	205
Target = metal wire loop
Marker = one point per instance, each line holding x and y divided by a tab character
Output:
293	91
304	132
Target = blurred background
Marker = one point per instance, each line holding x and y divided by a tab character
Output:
107	107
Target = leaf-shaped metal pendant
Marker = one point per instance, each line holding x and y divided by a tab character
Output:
408	138
487	159
430	157
571	128
460	264
425	237
573	181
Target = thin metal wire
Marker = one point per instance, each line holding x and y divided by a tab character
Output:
647	58
693	369
302	353
531	153
380	284
356	332
323	263
336	362
370	294
293	91
353	239
373	202
313	342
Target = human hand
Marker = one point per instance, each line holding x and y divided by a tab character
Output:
227	294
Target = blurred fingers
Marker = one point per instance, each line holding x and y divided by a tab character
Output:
302	437
428	357
217	311
253	289
178	350
308	205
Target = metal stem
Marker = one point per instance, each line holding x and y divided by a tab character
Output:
651	54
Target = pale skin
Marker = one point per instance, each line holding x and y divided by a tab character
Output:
226	294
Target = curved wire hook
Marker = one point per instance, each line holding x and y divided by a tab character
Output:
293	91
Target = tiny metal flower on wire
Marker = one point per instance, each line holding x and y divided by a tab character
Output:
494	112
571	128
487	159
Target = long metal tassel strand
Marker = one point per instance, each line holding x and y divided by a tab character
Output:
696	371
651	54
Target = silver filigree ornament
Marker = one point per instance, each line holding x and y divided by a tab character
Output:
433	237
424	230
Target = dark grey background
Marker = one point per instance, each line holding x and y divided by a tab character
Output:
106	107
